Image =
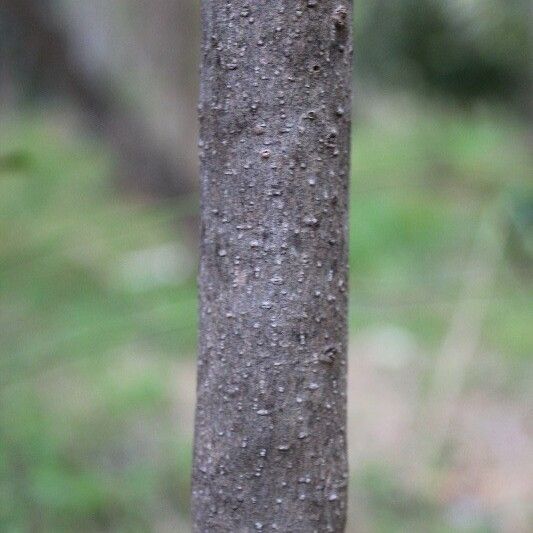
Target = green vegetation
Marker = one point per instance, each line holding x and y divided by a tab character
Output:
98	308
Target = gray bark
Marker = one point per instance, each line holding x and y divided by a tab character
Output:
270	439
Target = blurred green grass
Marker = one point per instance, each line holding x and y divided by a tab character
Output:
98	306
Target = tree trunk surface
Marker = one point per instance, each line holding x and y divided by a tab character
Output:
270	435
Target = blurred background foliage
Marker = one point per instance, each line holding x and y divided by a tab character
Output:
98	255
460	49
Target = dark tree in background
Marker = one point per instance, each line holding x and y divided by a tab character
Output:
51	50
270	445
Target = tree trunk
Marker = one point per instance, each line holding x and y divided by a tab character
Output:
270	442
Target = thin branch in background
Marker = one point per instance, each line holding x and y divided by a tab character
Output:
458	350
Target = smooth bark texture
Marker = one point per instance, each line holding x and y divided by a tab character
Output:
270	442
